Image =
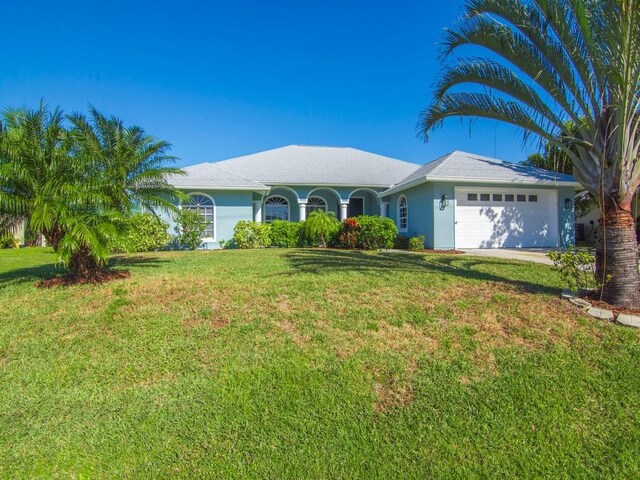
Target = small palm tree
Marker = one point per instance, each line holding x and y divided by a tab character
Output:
74	183
550	62
34	151
320	225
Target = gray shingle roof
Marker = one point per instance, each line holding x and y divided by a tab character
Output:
311	165
468	167
208	175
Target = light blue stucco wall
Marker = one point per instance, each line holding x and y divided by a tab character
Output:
231	206
420	211
427	217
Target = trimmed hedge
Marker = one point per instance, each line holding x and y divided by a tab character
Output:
375	232
142	232
248	234
286	234
416	244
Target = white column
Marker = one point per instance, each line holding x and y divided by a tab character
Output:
384	209
343	210
257	211
302	206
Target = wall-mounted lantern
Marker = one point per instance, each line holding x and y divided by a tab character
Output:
568	203
444	202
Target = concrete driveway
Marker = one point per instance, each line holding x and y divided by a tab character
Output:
537	255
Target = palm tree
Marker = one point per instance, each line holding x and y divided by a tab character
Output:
321	225
77	182
552	61
34	149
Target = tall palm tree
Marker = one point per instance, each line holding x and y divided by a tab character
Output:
547	62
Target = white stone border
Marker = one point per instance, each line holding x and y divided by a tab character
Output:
602	313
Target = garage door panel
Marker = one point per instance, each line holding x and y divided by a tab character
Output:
482	222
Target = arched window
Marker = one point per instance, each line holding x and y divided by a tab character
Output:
316	203
205	206
276	208
403	214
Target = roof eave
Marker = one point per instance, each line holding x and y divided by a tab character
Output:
425	179
211	187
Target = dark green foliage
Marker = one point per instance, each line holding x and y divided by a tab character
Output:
286	234
416	243
190	227
375	232
248	234
402	242
142	232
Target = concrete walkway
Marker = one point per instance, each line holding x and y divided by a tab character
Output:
537	255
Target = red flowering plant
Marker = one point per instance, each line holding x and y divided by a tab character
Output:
349	234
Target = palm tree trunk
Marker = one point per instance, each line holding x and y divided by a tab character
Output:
53	237
83	266
617	258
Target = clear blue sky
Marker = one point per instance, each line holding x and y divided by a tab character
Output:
224	78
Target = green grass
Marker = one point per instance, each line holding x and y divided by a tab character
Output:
311	364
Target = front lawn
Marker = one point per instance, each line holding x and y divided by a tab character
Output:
311	364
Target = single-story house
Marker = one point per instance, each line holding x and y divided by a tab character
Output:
460	200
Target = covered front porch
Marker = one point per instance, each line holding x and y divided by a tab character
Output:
295	203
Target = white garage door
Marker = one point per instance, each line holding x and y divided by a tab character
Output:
505	218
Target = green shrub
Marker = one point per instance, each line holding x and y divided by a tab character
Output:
322	228
401	243
8	240
248	234
142	232
376	232
416	243
190	227
576	267
286	234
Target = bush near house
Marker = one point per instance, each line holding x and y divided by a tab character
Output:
190	226
416	244
375	232
247	234
286	234
348	237
142	232
402	242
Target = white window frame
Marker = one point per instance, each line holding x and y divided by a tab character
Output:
399	207
326	204
215	214
264	207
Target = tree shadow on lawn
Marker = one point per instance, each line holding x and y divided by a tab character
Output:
317	261
51	270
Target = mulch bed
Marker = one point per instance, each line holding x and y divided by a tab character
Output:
65	281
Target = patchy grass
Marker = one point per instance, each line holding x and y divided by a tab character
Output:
311	364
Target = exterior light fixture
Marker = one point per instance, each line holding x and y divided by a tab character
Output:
444	202
567	203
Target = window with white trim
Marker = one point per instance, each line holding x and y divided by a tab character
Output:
403	213
276	208
316	203
205	206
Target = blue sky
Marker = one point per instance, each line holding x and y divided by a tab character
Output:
219	79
